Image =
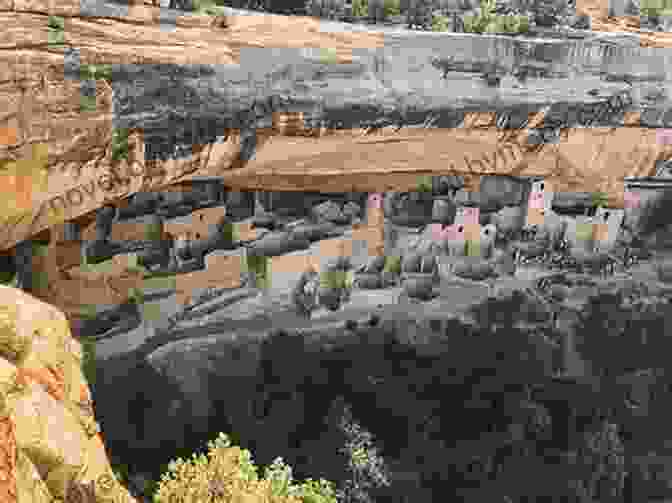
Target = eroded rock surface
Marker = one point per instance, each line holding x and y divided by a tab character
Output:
50	438
234	109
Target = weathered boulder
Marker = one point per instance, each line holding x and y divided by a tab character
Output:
486	241
418	262
664	271
411	209
175	210
275	244
240	205
49	436
140	204
446	185
534	249
374	265
660	239
199	248
474	269
328	211
572	202
419	285
369	281
500	191
580	22
330	297
316	232
509	220
352	210
266	221
443	211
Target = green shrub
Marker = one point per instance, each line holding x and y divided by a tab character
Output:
496	24
55	34
470	23
391	8
259	266
229	232
522	24
440	23
154	231
488	8
328	55
7	277
209	7
598	199
392	264
488	22
201	6
476	24
655	8
228	473
333	279
95	72
472	248
121	472
510	24
56	22
425	184
136	296
360	8
87	104
120	144
88	312
366	468
89	359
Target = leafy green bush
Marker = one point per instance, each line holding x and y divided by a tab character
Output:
87	104
120	144
258	266
328	55
95	72
488	22
367	470
228	231
7	278
228	473
655	8
391	8
519	24
136	296
425	184
55	34
360	8
154	231
56	22
121	472
496	24
209	7
440	23
598	199
89	359
201	6
392	264
7	269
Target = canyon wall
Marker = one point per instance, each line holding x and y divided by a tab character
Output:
242	98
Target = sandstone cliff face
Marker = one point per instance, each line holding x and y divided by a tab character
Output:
50	442
294	117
